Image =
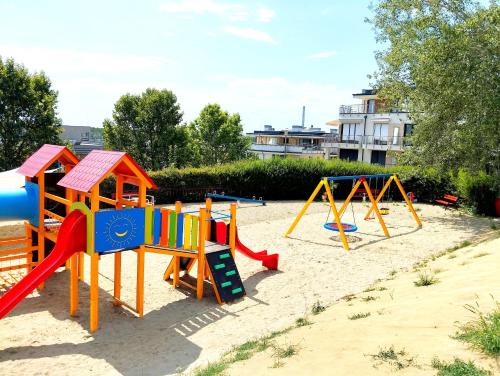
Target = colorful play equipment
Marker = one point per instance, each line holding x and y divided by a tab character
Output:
253	200
86	222
357	180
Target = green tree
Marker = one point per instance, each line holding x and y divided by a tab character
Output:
442	61
28	117
217	137
148	127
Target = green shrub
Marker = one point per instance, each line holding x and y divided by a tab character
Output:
479	191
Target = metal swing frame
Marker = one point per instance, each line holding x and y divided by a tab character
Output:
337	214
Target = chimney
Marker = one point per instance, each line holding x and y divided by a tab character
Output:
303	115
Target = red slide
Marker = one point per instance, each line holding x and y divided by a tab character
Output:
71	239
268	261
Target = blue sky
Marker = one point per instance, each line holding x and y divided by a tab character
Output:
263	59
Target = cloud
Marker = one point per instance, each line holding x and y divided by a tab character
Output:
265	14
322	55
249	33
235	12
77	61
229	10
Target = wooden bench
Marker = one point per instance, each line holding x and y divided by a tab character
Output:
448	201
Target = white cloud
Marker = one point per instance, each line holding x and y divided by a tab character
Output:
265	14
76	61
323	55
249	33
229	10
235	12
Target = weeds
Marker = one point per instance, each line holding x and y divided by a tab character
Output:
280	353
452	256
303	321
317	308
425	279
481	254
437	270
398	359
458	368
369	298
483	333
358	316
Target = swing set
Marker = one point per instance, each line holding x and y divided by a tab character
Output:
357	181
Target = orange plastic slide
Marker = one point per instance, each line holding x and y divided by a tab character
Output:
71	239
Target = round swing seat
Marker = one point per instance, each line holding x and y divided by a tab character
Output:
384	211
347	227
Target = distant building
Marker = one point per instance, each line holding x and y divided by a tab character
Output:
297	142
368	131
83	139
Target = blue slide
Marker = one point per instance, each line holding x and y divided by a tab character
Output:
20	203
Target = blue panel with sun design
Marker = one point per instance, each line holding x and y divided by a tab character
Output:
119	229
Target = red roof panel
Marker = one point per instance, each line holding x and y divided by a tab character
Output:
95	166
39	160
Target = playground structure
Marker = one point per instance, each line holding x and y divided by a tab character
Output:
358	180
94	225
222	196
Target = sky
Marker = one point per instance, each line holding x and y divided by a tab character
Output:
263	59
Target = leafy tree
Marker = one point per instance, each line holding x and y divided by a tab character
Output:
442	61
148	127
217	137
28	117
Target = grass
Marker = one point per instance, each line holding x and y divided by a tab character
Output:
458	368
398	359
358	316
280	353
481	254
483	333
369	298
393	272
437	270
425	279
317	308
452	256
303	321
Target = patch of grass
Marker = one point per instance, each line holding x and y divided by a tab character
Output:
303	321
437	270
483	333
425	279
317	308
481	254
452	256
349	297
493	226
358	316
280	353
369	298
393	272
398	359
370	289
212	369
465	263
458	368
381	288
419	265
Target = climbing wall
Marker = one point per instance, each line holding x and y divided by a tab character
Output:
225	273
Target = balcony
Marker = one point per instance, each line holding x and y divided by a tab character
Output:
367	142
288	149
364	108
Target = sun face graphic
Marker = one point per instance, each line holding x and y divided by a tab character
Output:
120	230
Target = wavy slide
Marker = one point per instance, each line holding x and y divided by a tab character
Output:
71	239
268	261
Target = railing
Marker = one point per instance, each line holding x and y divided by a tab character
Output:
386	142
282	148
364	108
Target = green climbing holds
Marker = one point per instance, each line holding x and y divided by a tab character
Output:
224	256
219	266
231	272
226	284
235	291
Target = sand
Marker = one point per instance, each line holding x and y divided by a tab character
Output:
178	332
419	320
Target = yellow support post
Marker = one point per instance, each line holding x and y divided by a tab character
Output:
232	228
377	212
408	202
200	280
303	210
380	195
336	215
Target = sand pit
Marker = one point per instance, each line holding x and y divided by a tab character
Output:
178	333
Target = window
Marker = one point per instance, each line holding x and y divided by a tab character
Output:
352	133
378	157
371	106
380	134
408	130
395	138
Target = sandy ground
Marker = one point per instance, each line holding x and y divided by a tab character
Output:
419	320
178	333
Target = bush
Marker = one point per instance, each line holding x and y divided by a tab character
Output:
479	191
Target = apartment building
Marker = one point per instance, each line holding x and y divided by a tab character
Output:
83	139
368	131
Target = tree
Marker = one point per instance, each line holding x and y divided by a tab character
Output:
217	137
442	61
28	117
148	127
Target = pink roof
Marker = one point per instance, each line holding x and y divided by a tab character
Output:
42	157
96	166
